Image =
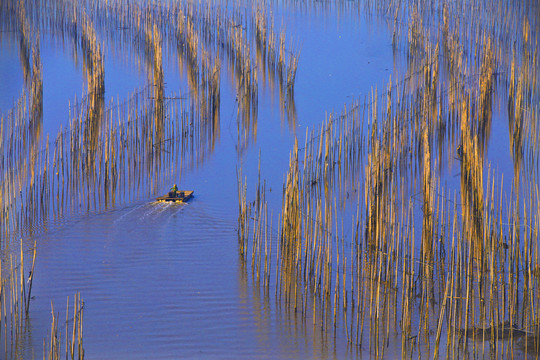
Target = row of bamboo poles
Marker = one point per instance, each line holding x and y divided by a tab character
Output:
15	296
376	240
20	139
76	151
73	346
110	151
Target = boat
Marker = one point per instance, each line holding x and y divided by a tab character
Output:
181	196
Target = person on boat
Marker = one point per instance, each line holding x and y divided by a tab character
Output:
172	192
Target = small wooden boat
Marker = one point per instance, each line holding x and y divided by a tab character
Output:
180	196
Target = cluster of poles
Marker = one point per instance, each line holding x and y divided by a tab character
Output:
110	152
376	239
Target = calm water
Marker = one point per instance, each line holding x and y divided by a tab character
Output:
166	280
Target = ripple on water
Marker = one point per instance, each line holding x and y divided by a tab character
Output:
154	276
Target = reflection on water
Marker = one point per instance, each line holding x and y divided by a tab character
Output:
154	283
378	262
